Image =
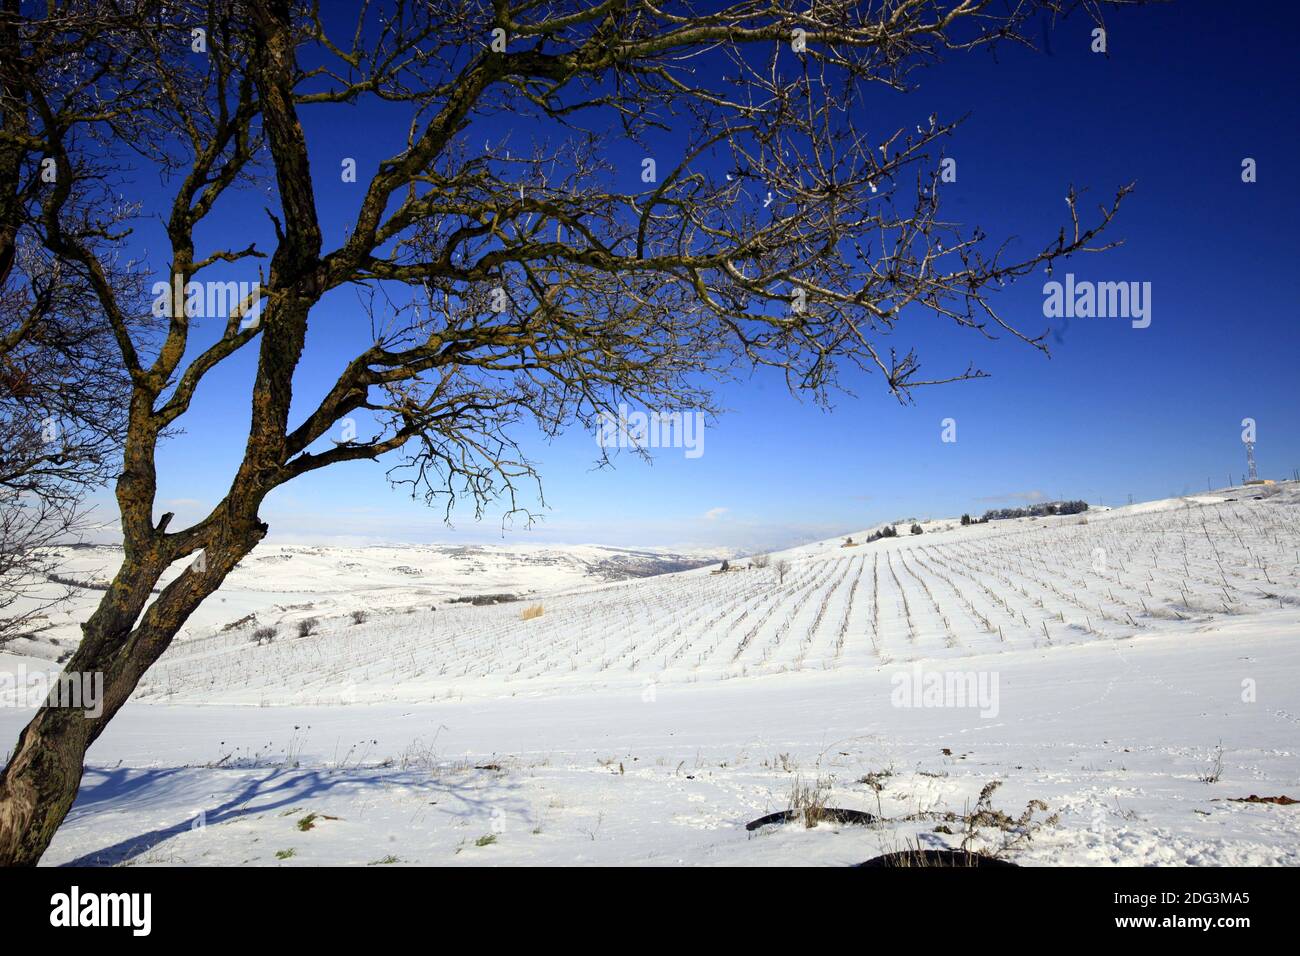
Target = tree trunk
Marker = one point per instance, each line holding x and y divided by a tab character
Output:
40	783
41	780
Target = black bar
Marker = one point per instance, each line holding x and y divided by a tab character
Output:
330	905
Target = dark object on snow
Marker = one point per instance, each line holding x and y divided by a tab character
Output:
480	600
1282	801
829	814
955	859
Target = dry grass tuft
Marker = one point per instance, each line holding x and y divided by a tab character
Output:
808	801
530	612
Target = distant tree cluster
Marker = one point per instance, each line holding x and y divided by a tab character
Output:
888	531
1035	511
480	600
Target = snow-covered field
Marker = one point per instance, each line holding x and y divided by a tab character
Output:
282	584
1123	678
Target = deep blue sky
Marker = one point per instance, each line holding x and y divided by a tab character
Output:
1188	90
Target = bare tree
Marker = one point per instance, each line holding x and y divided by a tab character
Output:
526	280
782	568
62	421
63	390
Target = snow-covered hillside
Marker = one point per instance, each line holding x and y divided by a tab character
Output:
1116	688
278	585
1176	567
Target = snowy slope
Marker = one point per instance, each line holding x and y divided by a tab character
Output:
282	584
1112	737
981	590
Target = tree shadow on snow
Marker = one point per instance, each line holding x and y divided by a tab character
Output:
104	789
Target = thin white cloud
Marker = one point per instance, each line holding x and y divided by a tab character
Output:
183	503
713	514
1015	496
